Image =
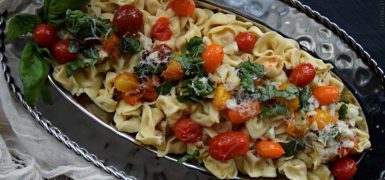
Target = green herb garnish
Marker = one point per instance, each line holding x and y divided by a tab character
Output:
166	87
195	89
342	111
83	26
248	72
274	110
187	157
128	44
271	92
22	24
293	147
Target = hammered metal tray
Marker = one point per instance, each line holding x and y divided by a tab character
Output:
315	33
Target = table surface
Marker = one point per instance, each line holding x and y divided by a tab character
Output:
363	20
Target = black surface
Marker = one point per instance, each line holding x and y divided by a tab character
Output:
364	20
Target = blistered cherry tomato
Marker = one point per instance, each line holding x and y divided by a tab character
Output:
149	91
128	20
61	53
321	118
126	82
326	95
344	168
229	145
112	46
44	35
161	30
246	41
302	75
245	111
188	131
269	149
182	7
131	98
213	57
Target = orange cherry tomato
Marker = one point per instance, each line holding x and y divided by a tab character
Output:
188	131
228	145
213	57
322	118
303	74
111	45
243	112
344	168
269	149
125	82
246	41
174	71
128	20
326	95
131	98
182	7
296	127
161	30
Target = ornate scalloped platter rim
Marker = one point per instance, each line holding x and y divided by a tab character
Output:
73	101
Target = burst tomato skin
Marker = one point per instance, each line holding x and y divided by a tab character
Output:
302	75
164	52
229	145
182	7
244	112
61	53
188	131
161	30
326	95
213	57
128	20
246	41
44	35
344	168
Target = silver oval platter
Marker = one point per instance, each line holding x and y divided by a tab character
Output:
87	130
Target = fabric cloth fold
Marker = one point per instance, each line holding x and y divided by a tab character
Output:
27	150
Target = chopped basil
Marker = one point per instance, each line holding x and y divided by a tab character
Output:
274	110
166	87
187	157
195	89
195	46
248	72
191	59
271	92
128	44
342	111
304	95
293	147
84	26
21	24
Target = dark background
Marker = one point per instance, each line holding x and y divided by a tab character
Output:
364	20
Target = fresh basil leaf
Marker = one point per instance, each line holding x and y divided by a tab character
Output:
195	89
187	157
195	46
274	110
82	26
33	71
46	94
248	72
55	10
293	147
21	24
166	87
128	44
342	111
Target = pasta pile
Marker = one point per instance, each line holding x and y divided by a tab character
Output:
153	122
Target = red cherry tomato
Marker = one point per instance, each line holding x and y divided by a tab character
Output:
128	20
44	35
188	131
161	30
344	168
246	41
61	53
229	145
182	7
302	75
